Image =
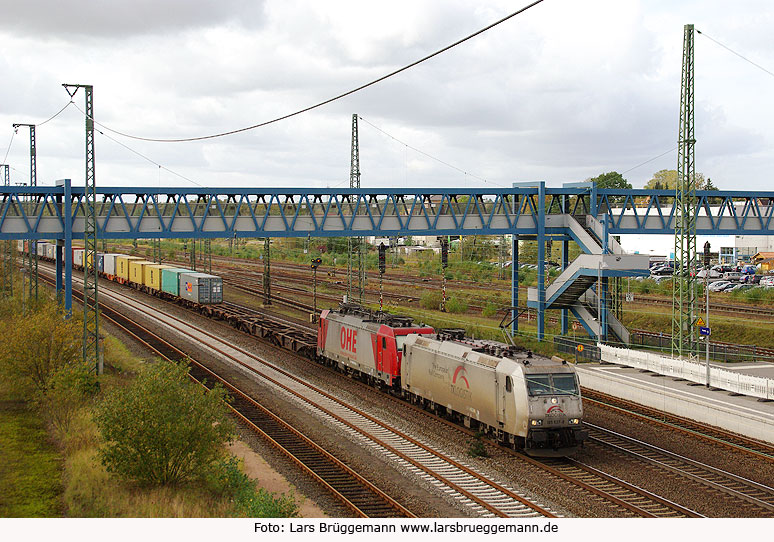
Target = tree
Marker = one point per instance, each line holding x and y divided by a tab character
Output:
36	342
666	179
163	429
612	179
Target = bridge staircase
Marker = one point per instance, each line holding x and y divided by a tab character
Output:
575	288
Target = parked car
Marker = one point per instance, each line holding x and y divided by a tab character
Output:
735	276
738	287
767	281
661	271
713	274
719	285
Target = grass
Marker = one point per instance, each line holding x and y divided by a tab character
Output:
30	470
90	491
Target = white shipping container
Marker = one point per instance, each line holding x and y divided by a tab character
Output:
109	264
78	257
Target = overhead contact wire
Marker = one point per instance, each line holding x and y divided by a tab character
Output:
329	100
447	164
160	166
734	52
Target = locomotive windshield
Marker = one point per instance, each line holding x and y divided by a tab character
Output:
555	384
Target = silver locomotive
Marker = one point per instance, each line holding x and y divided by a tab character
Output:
531	402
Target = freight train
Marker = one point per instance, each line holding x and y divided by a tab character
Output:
166	281
526	401
523	400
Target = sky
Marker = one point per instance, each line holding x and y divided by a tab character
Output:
566	91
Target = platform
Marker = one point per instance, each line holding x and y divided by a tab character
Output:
740	414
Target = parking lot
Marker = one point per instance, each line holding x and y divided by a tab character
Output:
722	278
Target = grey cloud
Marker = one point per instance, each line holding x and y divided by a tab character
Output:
109	19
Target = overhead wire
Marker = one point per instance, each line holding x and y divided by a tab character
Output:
329	100
13	133
447	164
734	52
649	161
160	166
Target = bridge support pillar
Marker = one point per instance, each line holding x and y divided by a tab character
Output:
565	263
541	263
515	283
67	244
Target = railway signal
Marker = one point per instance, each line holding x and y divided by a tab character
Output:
382	269
444	265
315	264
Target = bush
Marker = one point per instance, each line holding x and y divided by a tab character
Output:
431	300
163	429
35	343
456	306
489	310
67	390
226	478
477	448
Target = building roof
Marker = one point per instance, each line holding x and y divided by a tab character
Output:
762	256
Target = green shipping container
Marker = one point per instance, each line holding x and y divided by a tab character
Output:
170	280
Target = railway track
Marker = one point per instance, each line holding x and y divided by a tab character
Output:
482	496
757	500
715	435
715	307
354	491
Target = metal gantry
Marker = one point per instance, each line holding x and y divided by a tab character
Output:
32	253
355	244
7	267
267	270
91	344
685	290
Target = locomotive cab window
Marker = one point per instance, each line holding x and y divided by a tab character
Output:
508	384
384	342
538	384
555	384
565	384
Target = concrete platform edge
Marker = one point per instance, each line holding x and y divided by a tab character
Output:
680	404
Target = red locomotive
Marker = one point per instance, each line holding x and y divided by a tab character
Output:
366	342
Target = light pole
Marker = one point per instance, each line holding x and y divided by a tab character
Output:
706	305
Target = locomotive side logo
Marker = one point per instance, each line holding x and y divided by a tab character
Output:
349	339
458	379
459	374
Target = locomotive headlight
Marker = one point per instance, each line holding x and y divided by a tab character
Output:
573	421
536	422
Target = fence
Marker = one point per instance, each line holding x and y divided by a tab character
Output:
726	352
570	346
724	379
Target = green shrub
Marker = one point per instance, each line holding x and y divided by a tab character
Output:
226	478
477	448
489	310
455	305
431	300
163	429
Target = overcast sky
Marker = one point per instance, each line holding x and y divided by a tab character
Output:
566	91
